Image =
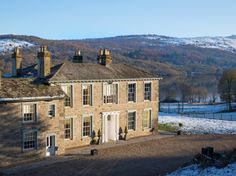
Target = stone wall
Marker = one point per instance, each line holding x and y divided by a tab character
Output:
78	110
12	128
12	125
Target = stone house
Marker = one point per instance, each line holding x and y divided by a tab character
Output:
46	109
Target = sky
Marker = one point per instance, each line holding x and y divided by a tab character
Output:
78	19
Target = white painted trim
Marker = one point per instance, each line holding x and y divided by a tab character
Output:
130	111
55	113
113	83
72	92
147	82
92	125
29	131
48	135
72	128
136	97
31	98
106	80
150	123
92	94
115	117
36	118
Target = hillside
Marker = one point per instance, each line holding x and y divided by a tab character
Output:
162	55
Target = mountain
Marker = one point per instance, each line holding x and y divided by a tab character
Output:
202	57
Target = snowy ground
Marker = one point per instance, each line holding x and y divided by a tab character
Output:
194	170
199	125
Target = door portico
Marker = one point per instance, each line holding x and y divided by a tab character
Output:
110	126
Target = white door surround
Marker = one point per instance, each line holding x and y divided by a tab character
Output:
50	145
110	126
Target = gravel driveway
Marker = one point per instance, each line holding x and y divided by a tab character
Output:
156	157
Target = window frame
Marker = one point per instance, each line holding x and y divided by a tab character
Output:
150	118
135	93
91	96
147	82
35	108
91	125
35	138
104	100
71	96
71	119
54	113
135	120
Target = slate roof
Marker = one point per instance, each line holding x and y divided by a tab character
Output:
15	88
91	71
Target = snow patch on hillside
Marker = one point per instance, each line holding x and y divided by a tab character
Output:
223	43
7	45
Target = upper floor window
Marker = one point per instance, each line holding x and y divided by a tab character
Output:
132	120
147	118
30	140
147	91
51	110
132	92
68	126
87	125
29	112
110	93
68	91
87	94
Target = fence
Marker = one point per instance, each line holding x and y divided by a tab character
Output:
199	110
216	116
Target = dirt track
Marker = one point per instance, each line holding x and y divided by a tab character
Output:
148	158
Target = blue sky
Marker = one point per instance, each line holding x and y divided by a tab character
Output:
74	19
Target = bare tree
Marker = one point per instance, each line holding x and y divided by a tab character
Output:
227	87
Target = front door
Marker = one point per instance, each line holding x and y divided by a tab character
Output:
110	126
50	145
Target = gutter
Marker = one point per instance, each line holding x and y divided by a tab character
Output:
105	80
31	98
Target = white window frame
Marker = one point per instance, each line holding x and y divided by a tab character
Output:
135	123
72	95
150	118
36	142
51	104
103	87
135	98
92	94
147	82
71	128
91	126
36	112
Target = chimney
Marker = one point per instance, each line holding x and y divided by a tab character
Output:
104	57
16	62
78	58
44	62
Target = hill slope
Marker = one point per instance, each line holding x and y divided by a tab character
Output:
202	56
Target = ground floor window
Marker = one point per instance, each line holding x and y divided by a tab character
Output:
68	126
131	120
147	118
30	140
87	126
